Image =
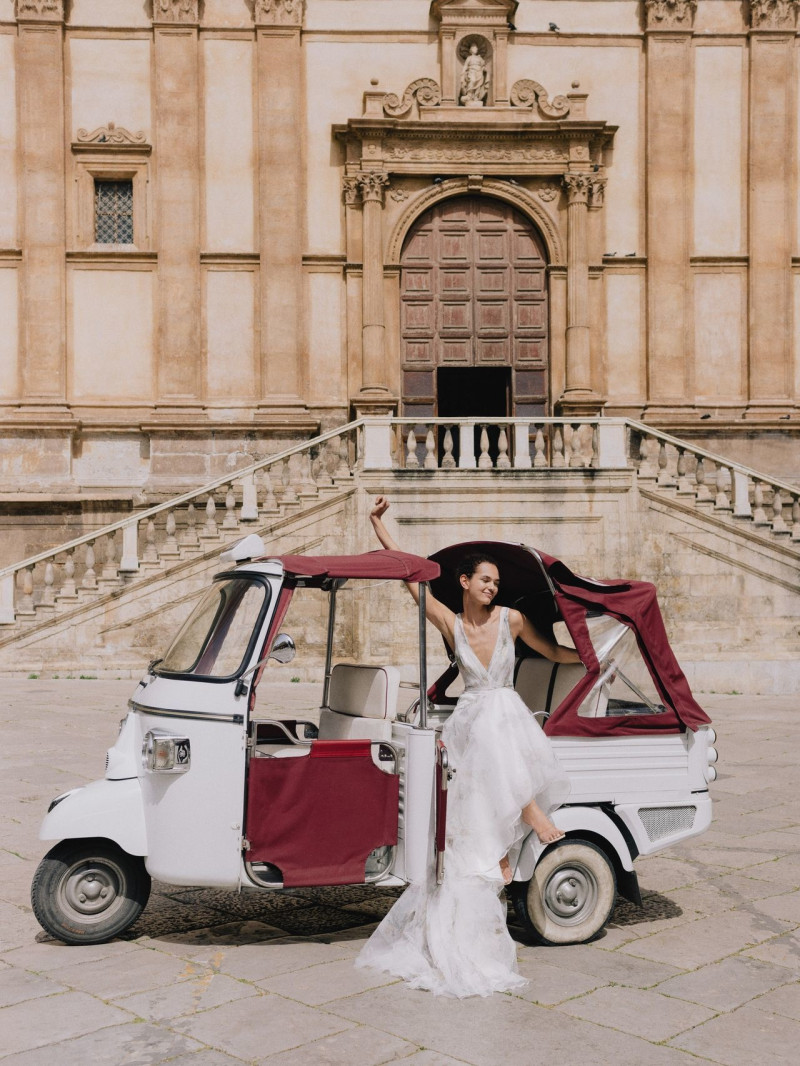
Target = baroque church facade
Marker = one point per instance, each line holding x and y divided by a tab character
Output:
228	224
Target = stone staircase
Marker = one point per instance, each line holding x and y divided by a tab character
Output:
612	497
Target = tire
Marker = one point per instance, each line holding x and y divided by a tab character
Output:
570	896
88	891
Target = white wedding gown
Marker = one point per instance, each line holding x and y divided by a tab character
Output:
452	938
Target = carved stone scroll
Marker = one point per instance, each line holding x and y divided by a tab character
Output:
112	135
51	10
278	12
527	93
670	14
426	92
181	11
773	14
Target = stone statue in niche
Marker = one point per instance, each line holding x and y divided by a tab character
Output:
474	85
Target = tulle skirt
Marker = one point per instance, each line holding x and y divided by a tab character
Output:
452	939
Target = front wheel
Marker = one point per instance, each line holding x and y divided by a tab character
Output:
570	896
88	891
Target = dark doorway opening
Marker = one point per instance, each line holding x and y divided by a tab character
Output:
473	392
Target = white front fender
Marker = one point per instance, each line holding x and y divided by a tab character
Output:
574	820
111	809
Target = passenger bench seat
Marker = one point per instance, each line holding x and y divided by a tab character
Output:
362	703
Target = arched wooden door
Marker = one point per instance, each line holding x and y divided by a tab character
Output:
474	317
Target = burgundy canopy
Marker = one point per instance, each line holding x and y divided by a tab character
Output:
378	564
544	589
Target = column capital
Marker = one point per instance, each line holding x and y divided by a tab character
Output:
279	13
176	12
579	187
670	14
597	191
39	10
766	15
372	184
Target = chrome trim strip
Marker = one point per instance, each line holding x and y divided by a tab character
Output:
202	716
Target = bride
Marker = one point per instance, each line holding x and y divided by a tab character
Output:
452	938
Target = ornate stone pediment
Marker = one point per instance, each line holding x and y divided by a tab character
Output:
46	10
278	12
186	12
670	14
773	14
112	136
459	12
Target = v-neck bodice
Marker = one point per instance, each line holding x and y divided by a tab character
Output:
500	671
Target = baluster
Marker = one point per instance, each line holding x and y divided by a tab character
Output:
576	459
68	590
343	467
685	487
558	449
567	431
430	462
701	495
539	454
26	606
89	576
150	553
229	521
594	444
288	494
448	460
190	538
796	518
647	468
484	459
170	545
210	529
722	501
48	593
759	514
522	446
109	571
503	462
320	471
306	486
412	462
779	526
270	503
665	478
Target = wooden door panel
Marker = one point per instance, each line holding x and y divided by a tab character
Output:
474	293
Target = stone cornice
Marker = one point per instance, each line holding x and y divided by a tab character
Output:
670	15
176	12
474	12
288	13
39	10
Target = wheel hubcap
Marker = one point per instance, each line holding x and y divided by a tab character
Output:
570	894
91	889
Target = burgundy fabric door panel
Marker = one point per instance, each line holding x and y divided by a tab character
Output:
318	817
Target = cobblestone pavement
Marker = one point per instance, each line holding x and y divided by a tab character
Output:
707	970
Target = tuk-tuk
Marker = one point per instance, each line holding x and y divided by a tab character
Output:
202	789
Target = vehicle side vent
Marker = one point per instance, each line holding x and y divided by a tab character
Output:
660	822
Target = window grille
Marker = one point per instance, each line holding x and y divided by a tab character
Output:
113	212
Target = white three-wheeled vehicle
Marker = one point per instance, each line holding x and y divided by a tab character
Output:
203	788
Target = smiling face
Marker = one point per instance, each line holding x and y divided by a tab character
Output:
482	585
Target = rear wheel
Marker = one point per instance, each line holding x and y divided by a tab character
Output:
88	891
570	896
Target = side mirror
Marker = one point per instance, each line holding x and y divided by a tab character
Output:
283	649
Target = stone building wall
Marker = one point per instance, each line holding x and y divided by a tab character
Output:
246	313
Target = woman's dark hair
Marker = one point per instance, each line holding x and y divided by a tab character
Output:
470	563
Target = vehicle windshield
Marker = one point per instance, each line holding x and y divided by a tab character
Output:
215	638
625	686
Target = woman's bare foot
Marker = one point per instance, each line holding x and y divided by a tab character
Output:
546	831
505	870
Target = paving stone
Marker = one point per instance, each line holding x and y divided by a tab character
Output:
142	969
133	1044
226	934
49	954
353	1047
429	1058
483	1032
783	951
785	1000
255	963
632	1010
552	984
256	1028
704	941
749	888
611	966
329	980
205	1058
662	874
726	985
17	985
23	1027
745	1037
186	997
785	907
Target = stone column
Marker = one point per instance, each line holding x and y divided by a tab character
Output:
177	124
40	95
578	396
771	208
373	330
281	198
669	133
